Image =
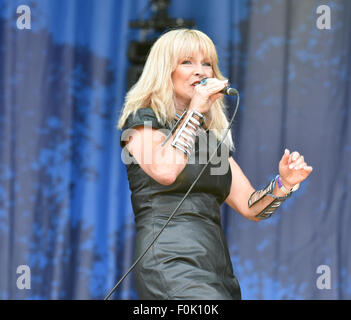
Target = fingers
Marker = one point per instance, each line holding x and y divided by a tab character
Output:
300	165
297	162
293	157
308	168
285	157
214	81
214	97
215	87
212	86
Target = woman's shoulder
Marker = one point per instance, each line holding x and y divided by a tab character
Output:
142	116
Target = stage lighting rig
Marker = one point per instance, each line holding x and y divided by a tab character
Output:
159	22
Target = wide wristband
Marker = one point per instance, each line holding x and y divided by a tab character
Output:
185	137
256	196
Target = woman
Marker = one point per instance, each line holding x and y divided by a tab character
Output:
168	120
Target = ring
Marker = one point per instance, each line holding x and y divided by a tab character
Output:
203	81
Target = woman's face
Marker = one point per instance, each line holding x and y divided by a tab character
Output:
188	73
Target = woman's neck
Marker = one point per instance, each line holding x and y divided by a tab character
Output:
180	106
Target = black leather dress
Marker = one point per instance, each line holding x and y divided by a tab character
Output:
190	260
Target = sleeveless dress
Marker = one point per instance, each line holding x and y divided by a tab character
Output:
190	260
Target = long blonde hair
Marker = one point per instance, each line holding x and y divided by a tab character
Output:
154	88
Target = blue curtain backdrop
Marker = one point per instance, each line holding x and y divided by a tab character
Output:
65	208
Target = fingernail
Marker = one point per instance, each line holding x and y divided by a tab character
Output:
286	151
291	166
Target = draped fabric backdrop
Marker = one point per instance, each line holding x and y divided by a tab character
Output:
65	209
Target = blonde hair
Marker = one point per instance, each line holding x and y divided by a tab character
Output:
154	88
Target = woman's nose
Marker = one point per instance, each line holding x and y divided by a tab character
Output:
199	71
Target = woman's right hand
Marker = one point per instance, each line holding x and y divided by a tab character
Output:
205	95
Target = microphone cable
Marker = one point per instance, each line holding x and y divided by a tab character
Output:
181	202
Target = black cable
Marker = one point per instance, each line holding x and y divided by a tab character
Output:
180	203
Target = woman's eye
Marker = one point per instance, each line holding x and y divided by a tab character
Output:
206	64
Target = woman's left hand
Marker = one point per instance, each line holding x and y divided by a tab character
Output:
293	169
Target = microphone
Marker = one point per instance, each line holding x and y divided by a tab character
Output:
227	90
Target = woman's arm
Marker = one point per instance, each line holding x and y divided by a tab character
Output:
240	192
292	169
162	163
